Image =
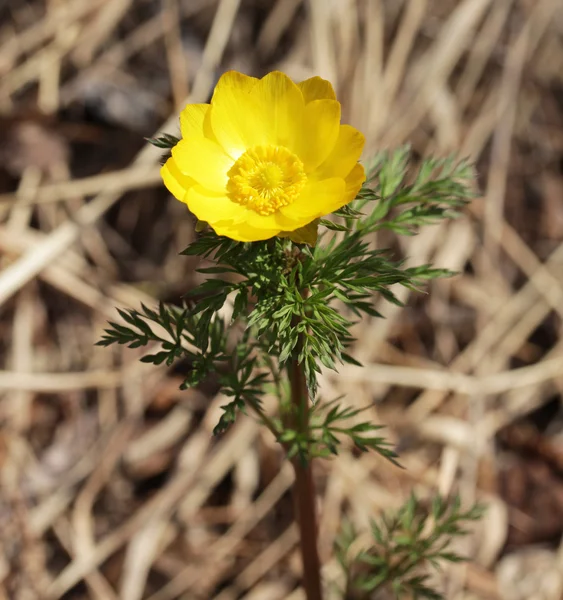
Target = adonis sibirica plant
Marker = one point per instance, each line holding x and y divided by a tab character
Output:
286	213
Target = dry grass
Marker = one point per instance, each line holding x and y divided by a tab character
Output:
111	483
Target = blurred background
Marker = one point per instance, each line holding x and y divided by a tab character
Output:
112	486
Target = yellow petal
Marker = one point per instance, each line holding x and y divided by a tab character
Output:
276	220
304	235
243	232
280	107
204	160
344	154
233	82
316	88
317	199
192	119
177	183
233	115
354	182
321	125
210	207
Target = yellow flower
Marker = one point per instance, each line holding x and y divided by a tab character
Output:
265	157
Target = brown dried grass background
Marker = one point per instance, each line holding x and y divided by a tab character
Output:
111	483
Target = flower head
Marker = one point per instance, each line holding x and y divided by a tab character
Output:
265	157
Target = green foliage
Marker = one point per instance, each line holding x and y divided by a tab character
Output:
202	342
438	190
166	142
181	337
292	308
291	302
404	544
329	425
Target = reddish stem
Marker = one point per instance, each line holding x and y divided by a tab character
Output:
304	489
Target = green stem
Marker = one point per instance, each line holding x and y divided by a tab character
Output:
266	420
304	487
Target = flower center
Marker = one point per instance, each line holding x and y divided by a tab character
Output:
265	178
